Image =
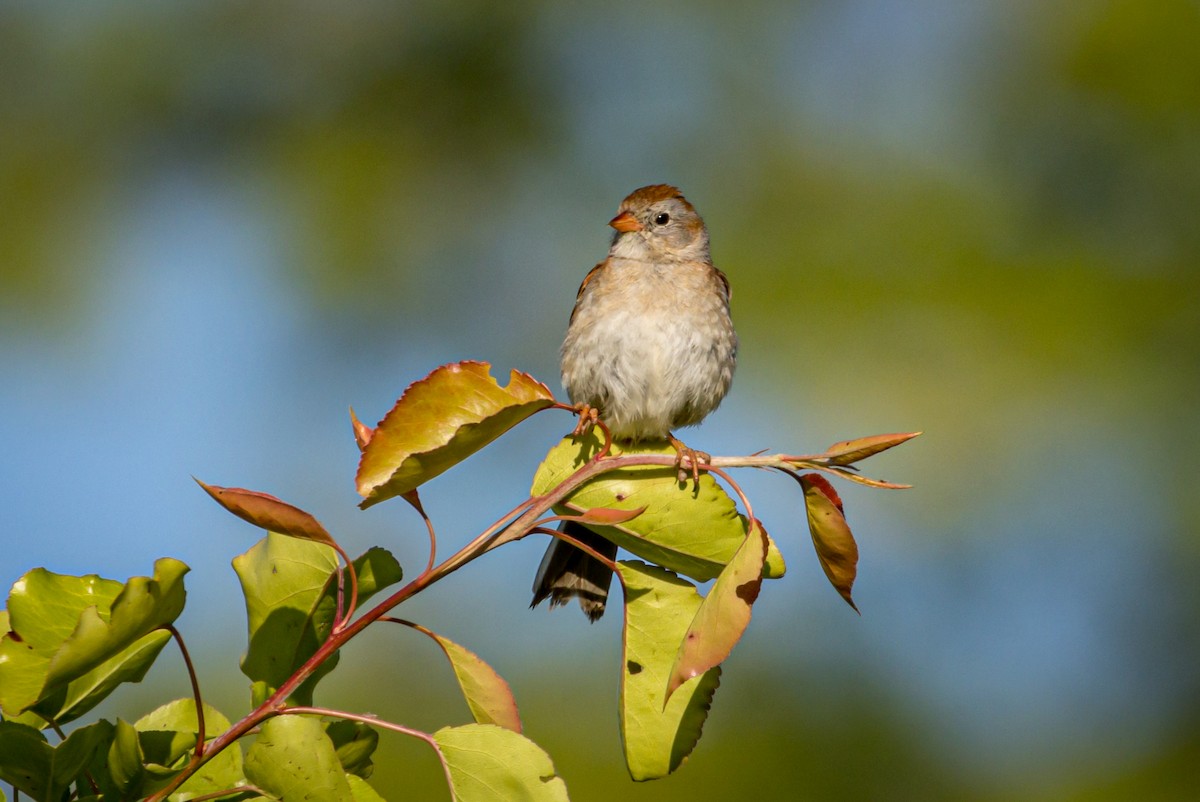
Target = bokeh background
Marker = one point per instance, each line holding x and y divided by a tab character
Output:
222	224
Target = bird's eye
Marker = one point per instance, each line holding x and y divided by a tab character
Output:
662	218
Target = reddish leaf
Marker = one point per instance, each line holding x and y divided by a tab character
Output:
605	516
362	432
269	512
848	452
440	421
831	535
725	612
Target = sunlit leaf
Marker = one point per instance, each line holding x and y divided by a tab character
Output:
848	452
66	626
831	535
492	764
82	694
724	614
269	513
658	735
694	532
362	790
488	696
440	421
293	758
167	736
290	590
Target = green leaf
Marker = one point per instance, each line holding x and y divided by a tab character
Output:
694	532
659	734
81	695
167	736
491	764
290	589
125	759
31	765
724	614
362	790
66	626
488	696
354	743
440	421
831	536
282	580
293	758
272	514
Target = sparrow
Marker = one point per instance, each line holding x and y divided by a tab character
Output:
650	348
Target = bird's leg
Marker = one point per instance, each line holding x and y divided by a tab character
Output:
694	459
588	415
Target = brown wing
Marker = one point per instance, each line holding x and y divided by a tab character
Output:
720	275
591	274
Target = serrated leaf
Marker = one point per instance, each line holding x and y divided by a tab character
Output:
167	736
440	421
694	532
488	696
658	735
724	614
268	512
293	758
66	626
290	590
836	549
492	764
848	452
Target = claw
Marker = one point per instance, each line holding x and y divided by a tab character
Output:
694	458
588	415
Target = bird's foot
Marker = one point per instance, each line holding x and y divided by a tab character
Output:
694	458
588	415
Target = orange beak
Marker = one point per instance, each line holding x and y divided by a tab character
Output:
625	222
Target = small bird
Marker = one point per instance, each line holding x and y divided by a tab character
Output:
650	347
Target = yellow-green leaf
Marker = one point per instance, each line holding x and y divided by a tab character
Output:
658	734
491	764
440	421
488	696
724	614
293	758
692	531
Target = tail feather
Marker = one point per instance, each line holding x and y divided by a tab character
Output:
567	572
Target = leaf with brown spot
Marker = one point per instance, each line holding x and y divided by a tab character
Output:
658	734
440	421
725	612
831	535
848	452
269	512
